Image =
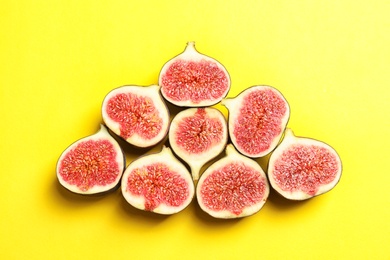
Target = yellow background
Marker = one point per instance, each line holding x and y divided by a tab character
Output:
59	59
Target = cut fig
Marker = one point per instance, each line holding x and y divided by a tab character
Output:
159	183
257	119
192	79
138	114
91	165
198	135
232	187
301	168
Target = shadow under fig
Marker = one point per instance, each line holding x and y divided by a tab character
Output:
274	198
78	199
282	204
138	214
208	220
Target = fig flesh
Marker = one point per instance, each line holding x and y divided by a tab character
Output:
138	114
301	168
192	79
91	165
232	187
257	119
159	183
198	135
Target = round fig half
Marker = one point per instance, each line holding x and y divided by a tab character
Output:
232	187
198	135
257	119
192	79
159	183
301	168
91	165
138	114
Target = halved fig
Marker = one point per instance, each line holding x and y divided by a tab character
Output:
192	79
232	187
91	165
138	114
301	168
159	183
198	135
257	119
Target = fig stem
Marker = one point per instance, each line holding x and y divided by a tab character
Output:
154	88
190	46
289	133
166	150
103	129
226	102
195	169
230	149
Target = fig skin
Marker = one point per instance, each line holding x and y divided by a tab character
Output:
247	206
206	122
236	104
120	160
290	141
190	54
139	138
164	160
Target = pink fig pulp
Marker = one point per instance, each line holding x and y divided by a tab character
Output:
192	79
301	168
91	165
138	114
198	135
232	187
257	119
158	183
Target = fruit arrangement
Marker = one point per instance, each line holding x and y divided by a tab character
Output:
166	182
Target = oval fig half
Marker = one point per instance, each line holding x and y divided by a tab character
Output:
137	114
198	135
192	79
233	187
257	119
301	168
91	165
158	183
